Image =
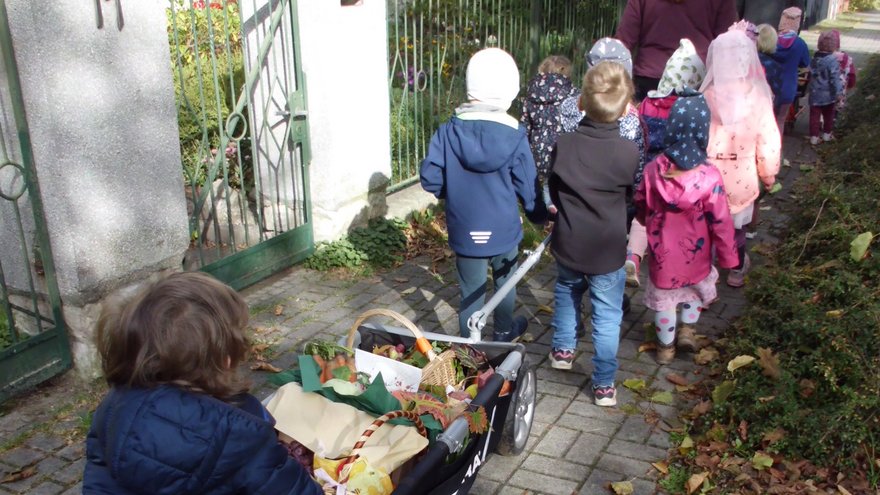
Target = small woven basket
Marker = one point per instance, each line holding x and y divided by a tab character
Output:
440	370
375	425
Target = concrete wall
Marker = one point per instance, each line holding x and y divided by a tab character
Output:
344	57
103	123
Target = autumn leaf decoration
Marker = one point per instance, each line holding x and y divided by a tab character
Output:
445	413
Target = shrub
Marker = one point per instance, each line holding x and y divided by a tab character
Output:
860	5
379	245
818	308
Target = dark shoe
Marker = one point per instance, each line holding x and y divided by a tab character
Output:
665	354
561	359
520	324
687	338
605	396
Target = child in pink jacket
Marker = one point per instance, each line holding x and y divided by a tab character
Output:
684	70
744	140
682	204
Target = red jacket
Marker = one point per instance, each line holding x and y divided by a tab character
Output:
652	29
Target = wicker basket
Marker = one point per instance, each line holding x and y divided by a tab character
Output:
344	466
440	370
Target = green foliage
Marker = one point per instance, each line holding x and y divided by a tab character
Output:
5	337
674	482
818	309
379	245
208	69
861	5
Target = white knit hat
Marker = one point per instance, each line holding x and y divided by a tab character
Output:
684	69
492	78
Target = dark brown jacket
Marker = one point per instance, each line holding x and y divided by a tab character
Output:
592	169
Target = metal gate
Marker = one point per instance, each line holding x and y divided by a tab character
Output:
243	135
33	337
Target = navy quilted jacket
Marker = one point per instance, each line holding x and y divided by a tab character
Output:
167	441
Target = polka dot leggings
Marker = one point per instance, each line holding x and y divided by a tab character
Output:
665	321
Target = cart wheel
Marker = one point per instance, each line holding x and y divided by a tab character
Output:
520	414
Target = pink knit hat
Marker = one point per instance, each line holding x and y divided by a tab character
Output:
829	41
790	20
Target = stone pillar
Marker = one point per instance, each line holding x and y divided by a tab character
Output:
103	127
344	57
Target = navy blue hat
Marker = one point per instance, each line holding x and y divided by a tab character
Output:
687	131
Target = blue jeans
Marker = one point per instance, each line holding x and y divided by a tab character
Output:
606	297
472	278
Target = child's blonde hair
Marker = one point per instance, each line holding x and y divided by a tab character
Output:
187	330
555	64
607	89
767	39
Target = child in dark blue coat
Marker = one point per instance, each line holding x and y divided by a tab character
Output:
178	419
480	164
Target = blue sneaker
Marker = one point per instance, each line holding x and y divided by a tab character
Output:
520	324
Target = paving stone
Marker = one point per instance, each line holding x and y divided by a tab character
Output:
560	390
634	429
550	408
587	424
624	466
501	468
45	442
585	407
586	449
635	451
21	456
542	483
553	466
600	480
563	377
70	473
484	486
556	442
46	488
659	439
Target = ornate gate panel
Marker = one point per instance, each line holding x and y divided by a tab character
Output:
244	135
33	336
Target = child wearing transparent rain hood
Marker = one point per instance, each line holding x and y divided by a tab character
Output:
744	140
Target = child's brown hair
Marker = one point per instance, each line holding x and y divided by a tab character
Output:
607	89
555	64
187	329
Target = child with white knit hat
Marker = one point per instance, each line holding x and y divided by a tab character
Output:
479	162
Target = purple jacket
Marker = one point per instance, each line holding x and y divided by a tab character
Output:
685	216
652	29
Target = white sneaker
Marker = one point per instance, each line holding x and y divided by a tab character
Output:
814	140
827	137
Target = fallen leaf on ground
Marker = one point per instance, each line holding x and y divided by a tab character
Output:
622	487
706	355
769	363
773	435
807	387
738	362
401	280
687	445
695	482
776	188
843	491
743	430
761	461
543	308
279	310
683	388
661	466
264	366
834	313
702	408
634	384
664	397
859	246
22	474
676	379
723	391
647	346
406	292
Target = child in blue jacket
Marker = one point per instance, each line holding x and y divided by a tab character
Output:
178	419
480	164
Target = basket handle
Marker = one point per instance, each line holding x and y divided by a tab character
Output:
375	425
422	343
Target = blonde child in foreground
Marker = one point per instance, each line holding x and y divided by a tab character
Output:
681	203
178	418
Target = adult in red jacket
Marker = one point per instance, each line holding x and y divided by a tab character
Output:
651	29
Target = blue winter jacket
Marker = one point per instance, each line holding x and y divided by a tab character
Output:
825	81
791	53
167	441
480	168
